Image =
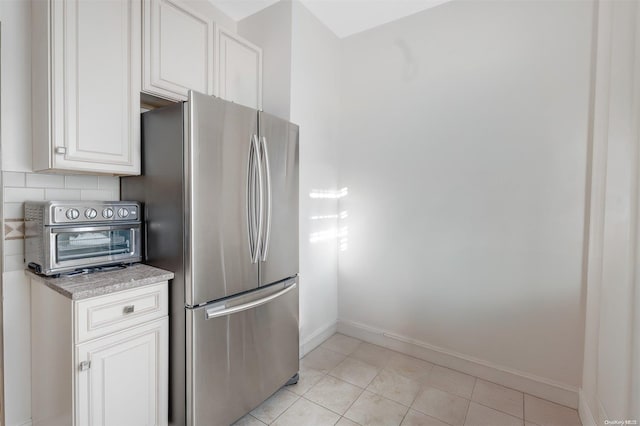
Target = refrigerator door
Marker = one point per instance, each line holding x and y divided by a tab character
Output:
221	167
279	242
240	351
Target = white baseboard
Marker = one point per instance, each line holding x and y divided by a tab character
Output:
586	415
534	385
316	338
24	423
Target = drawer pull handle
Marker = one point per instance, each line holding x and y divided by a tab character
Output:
128	309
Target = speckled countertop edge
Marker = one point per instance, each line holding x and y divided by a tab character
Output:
78	287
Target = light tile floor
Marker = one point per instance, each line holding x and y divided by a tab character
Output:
346	382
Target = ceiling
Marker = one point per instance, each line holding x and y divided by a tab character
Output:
240	9
343	17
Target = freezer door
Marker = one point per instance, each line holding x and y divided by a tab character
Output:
279	242
239	352
221	179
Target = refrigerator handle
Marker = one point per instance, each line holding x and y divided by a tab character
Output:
258	162
251	199
222	310
267	233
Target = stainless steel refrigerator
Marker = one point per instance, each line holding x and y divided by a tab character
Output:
219	185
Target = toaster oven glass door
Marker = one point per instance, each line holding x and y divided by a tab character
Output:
88	244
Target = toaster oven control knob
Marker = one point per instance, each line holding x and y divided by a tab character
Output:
72	214
123	212
90	213
107	213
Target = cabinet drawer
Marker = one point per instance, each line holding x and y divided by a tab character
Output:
98	316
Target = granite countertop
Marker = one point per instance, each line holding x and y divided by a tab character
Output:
78	287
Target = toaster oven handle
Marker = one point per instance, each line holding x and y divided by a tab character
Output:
146	239
35	267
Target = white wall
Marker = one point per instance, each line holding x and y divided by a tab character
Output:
315	107
464	152
611	380
18	186
15	105
271	30
208	9
301	83
15	100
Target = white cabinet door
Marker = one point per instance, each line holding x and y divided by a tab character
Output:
126	382
93	50
178	50
239	70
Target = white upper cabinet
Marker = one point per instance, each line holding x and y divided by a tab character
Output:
239	70
86	86
184	49
178	50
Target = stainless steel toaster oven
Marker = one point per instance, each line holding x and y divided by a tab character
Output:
64	236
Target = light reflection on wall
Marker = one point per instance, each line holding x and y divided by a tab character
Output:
329	234
337	229
342	215
327	216
331	194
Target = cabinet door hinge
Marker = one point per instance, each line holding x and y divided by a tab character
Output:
85	365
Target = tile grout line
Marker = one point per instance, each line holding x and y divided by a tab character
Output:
389	399
432	416
351	405
420	390
494	408
499	411
257	419
322	376
337	378
475	380
319	405
326	408
286	409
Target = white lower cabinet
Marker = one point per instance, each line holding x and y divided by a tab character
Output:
101	361
120	377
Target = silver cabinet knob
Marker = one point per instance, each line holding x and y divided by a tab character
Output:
84	365
90	213
107	213
129	309
61	150
72	214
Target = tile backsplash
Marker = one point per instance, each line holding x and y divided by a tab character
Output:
20	187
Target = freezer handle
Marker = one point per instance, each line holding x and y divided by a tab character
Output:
222	310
